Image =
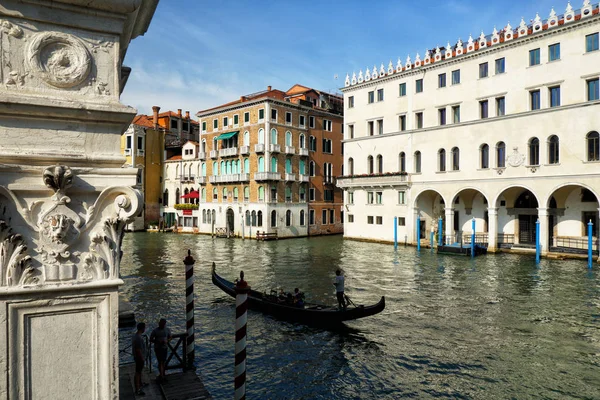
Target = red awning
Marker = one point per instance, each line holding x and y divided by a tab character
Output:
191	195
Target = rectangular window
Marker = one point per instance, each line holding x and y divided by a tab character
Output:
554	52
273	115
288	118
402	89
203	126
350	218
324	217
441	80
534	57
370	198
140	143
456	114
332	216
311	122
236	120
535	100
225	122
554	96
456	77
403	121
419	120
302	121
371	97
592	89
261	114
378	197
370	220
500	107
379	94
442	116
311	217
128	143
380	127
401	221
401	197
350	197
419	85
379	220
351	102
483	109
311	194
370	128
351	131
327	125
591	42
246	117
216	124
483	70
500	66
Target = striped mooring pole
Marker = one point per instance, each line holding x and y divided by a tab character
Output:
241	318
189	308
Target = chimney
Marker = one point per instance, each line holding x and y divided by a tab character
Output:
179	112
269	88
187	115
155	110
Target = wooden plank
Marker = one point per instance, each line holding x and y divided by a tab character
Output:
184	386
126	385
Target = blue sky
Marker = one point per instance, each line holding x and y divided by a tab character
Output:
199	54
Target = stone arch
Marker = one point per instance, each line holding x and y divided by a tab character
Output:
430	205
558	193
517	215
469	203
511	193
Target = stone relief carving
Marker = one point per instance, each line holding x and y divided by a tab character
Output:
15	264
11	29
515	159
15	78
59	59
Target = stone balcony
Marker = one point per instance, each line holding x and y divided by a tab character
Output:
229	178
303	152
389	180
229	152
214	154
290	150
244	150
303	178
267	176
186	178
201	180
259	148
290	177
274	148
202	155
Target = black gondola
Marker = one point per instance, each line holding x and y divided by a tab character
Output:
310	314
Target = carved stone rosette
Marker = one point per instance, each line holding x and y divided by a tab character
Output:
71	244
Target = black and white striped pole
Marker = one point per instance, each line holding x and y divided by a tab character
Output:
241	318
189	308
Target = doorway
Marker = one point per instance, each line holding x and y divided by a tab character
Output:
527	229
230	221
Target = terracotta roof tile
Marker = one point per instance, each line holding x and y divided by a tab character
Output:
143	120
175	158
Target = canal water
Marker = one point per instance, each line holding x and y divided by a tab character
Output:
494	327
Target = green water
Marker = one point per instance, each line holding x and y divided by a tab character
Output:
496	327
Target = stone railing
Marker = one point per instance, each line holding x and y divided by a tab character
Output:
303	178
274	148
201	180
267	176
244	150
259	148
290	177
229	152
229	178
201	156
394	179
214	154
290	150
303	152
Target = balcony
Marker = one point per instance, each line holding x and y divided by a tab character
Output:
303	178
230	178
290	150
390	180
186	178
201	156
267	176
328	181
259	148
274	148
244	150
214	154
303	152
290	177
127	152
229	152
201	180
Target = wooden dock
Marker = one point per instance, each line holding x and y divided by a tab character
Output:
179	386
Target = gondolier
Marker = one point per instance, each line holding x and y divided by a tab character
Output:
339	289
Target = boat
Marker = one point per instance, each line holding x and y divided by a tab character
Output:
310	314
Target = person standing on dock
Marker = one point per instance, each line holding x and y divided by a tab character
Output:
339	289
138	347
160	337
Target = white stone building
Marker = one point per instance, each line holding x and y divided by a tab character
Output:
502	128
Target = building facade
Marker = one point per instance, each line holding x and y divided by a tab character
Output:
502	130
263	163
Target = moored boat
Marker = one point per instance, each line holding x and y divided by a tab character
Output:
310	314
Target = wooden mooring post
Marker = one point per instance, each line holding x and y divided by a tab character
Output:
241	318
189	308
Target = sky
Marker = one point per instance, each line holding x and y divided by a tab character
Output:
199	54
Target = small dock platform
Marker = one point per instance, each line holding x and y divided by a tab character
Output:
179	386
266	236
457	249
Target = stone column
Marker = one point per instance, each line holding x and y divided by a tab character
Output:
64	196
492	229
413	228
449	225
543	216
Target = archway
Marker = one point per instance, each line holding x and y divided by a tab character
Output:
429	205
517	217
230	221
467	204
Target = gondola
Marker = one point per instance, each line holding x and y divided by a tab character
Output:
310	314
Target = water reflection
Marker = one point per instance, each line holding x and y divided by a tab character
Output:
490	327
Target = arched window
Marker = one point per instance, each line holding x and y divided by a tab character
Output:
203	194
441	160
288	166
215	194
302	217
215	168
204	145
246	165
166	198
484	156
224	193
273	219
288	138
246	193
235	194
261	193
203	216
203	169
402	162
534	151
417	162
185	193
370	165
301	167
302	144
312	143
261	136
593	146
228	168
214	216
190	171
215	143
273	136
254	218
248	220
246	138
177	196
208	216
553	152
311	168
259	219
288	194
222	168
455	159
500	155
350	166
261	164
380	164
273	164
288	218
